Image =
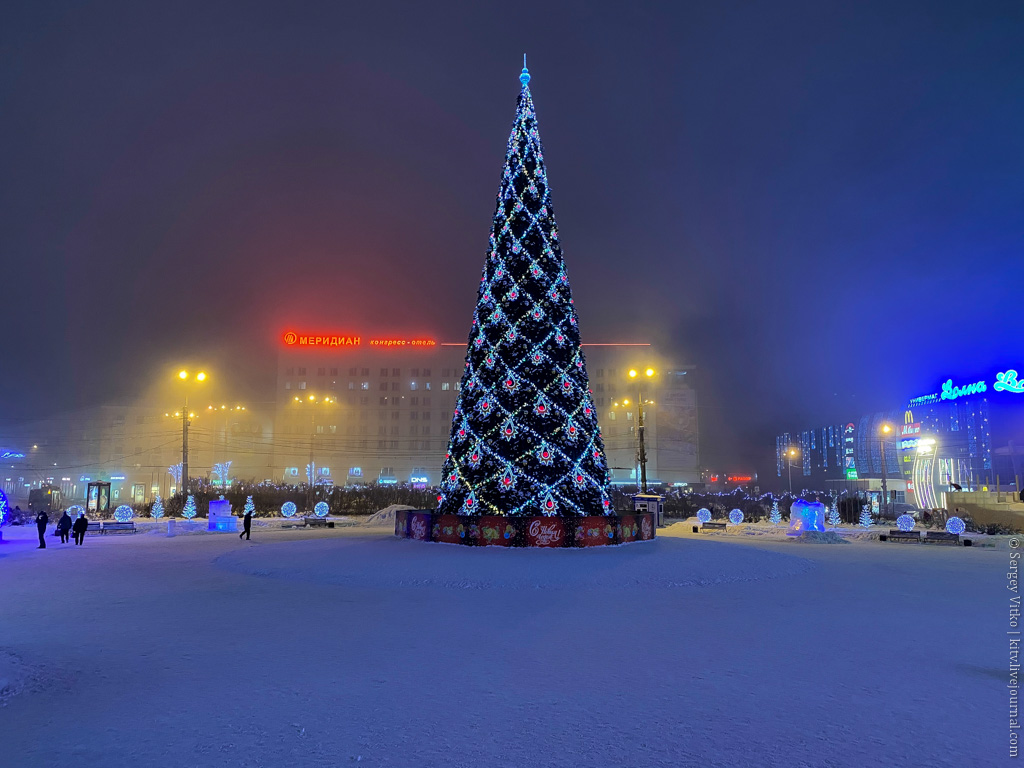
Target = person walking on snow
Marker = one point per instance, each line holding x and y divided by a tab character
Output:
64	527
246	526
80	527
41	522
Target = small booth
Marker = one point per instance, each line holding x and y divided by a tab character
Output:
97	498
220	517
650	503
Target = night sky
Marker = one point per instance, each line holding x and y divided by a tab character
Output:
820	205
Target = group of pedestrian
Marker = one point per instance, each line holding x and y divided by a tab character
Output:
65	526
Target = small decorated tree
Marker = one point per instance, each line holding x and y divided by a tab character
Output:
865	516
776	515
158	508
249	506
190	508
833	515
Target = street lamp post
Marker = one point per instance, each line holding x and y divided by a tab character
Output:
886	429
311	470
641	449
186	421
790	455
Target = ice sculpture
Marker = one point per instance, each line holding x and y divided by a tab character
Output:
806	516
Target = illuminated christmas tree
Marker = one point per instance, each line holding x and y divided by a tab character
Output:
524	437
865	515
189	511
776	515
158	508
833	515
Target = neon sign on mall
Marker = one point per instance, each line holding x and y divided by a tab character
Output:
294	339
1005	381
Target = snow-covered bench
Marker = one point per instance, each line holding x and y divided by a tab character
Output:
319	522
93	527
942	537
112	526
895	535
713	526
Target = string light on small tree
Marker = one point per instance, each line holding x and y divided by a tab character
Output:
250	507
776	515
158	508
865	516
833	515
189	510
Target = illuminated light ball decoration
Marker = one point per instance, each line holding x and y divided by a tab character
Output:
189	510
736	517
905	523
704	515
75	510
321	509
955	525
524	437
124	513
288	508
158	508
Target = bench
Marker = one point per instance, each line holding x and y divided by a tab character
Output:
895	535
94	527
712	526
109	526
319	522
942	537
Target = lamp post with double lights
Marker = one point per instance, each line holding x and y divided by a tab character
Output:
224	466
640	403
187	379
311	401
791	453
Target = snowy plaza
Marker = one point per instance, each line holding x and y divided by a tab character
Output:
346	646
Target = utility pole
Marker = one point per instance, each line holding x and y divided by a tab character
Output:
184	448
640	434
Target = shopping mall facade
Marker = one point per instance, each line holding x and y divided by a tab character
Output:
966	434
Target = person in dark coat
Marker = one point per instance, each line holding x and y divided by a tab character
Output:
41	522
64	527
246	526
79	528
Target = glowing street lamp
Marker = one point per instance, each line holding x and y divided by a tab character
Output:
886	430
312	400
791	454
640	402
186	420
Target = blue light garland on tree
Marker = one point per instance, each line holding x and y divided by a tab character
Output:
189	510
833	515
5	508
776	515
525	438
158	508
865	516
249	507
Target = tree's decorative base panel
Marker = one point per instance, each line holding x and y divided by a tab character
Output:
496	531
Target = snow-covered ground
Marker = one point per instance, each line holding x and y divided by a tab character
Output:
345	646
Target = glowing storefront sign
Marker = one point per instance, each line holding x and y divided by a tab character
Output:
11	455
949	392
295	339
1007	382
911	429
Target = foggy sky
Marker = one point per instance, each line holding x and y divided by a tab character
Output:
818	204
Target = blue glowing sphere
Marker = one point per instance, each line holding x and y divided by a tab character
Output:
75	510
124	513
288	508
905	522
321	509
955	525
704	514
736	517
524	78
